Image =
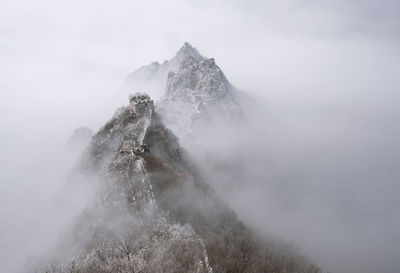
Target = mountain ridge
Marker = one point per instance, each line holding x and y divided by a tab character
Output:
153	211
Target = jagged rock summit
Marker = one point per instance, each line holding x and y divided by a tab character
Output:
196	93
158	72
184	52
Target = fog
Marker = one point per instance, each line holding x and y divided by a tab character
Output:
327	72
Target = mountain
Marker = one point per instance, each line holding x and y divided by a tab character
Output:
152	209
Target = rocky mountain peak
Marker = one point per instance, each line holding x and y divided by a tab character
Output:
186	51
203	78
194	90
153	77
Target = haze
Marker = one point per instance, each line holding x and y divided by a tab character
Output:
327	71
